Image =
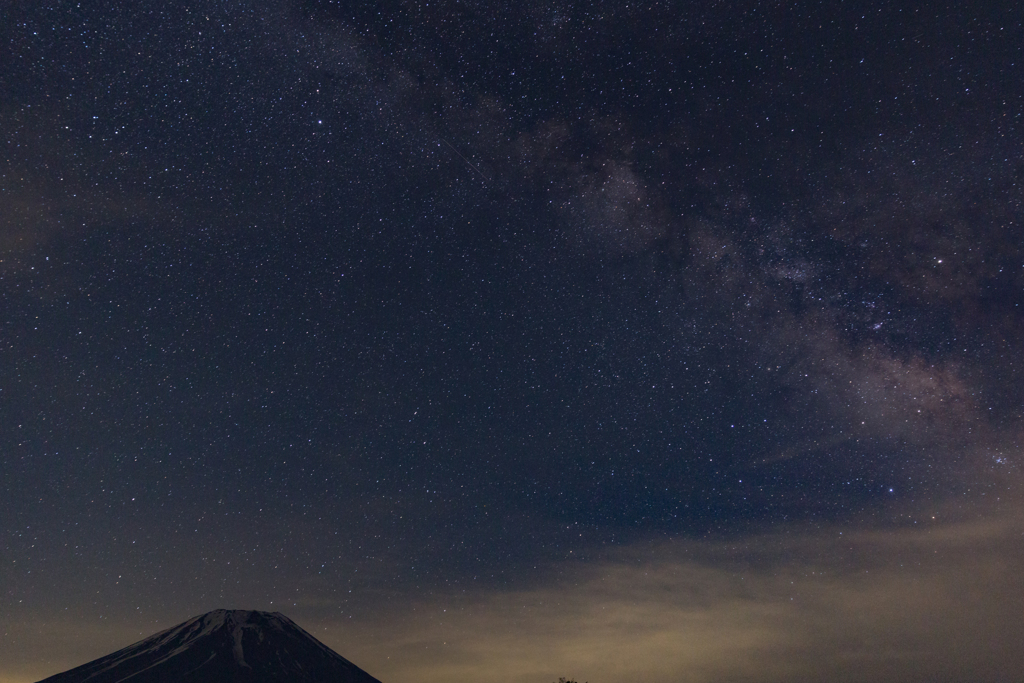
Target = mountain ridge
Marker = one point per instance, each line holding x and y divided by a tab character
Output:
222	646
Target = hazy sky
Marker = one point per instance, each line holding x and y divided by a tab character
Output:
504	341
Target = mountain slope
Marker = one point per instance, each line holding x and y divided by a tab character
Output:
223	646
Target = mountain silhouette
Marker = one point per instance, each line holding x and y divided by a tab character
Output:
223	646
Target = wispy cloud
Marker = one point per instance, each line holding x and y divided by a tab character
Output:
930	602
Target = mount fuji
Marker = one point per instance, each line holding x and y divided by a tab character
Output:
223	646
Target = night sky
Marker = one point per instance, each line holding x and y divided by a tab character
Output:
503	341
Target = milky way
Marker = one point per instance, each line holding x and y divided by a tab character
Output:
550	339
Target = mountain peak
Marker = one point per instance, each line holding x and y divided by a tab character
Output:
223	646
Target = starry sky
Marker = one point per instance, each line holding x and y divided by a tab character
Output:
503	341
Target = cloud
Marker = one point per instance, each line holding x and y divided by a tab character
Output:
937	599
32	648
931	602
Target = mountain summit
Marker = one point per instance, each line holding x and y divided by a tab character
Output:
223	646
